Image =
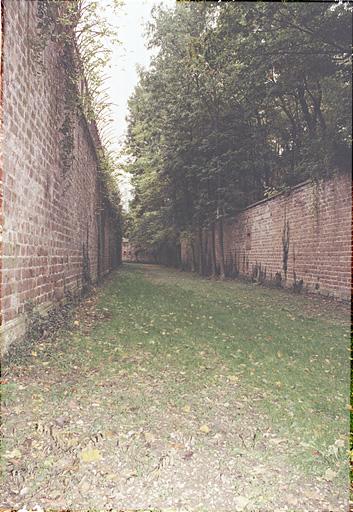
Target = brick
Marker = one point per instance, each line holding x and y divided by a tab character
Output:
50	222
319	244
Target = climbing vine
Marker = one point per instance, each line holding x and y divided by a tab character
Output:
56	24
80	32
70	105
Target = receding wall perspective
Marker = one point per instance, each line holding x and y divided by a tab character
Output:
299	239
133	253
59	230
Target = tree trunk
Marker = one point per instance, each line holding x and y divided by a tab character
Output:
213	251
206	261
178	254
221	246
193	260
201	254
305	109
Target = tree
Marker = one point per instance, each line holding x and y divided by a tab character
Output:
242	99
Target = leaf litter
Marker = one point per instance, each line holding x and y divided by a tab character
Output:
118	412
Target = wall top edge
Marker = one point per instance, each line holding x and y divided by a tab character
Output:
287	193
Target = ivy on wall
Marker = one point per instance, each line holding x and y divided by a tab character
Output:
80	35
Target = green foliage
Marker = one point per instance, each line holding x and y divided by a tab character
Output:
107	167
242	100
83	36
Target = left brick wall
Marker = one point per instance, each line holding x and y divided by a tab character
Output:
1	146
59	230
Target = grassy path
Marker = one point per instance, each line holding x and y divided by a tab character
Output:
174	392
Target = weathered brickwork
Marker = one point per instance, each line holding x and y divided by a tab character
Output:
300	239
59	231
1	141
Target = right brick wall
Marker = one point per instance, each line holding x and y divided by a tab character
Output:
297	239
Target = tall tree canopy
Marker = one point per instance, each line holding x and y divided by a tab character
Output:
242	100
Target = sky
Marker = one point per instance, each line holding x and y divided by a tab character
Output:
130	20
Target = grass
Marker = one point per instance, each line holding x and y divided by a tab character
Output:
172	344
290	352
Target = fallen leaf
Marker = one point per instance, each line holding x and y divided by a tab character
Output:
176	446
292	500
85	486
61	420
112	476
14	454
186	408
329	475
278	440
71	443
90	455
240	503
205	429
149	437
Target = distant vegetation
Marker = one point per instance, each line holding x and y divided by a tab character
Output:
242	100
